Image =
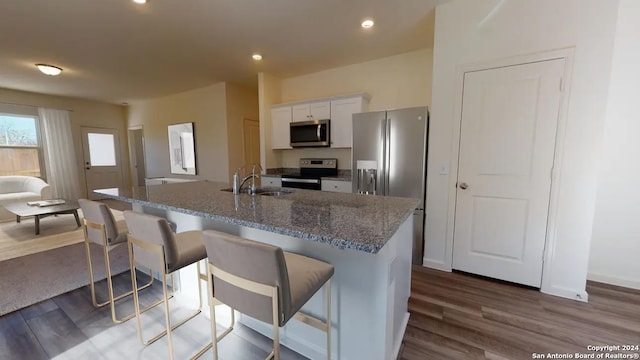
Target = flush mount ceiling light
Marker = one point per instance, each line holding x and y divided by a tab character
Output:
256	57
140	1
49	69
367	23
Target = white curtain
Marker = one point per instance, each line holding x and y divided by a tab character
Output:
59	153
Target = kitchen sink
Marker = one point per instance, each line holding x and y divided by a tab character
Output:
266	191
276	193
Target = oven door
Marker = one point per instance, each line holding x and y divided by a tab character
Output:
309	133
310	184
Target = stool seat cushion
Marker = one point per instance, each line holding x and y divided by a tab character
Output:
190	249
306	277
99	213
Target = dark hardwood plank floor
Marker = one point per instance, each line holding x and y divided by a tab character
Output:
461	316
453	316
69	327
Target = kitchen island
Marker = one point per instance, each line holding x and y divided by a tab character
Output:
367	239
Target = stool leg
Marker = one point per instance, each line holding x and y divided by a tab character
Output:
212	313
166	314
276	328
328	319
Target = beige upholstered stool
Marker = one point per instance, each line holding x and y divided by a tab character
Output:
100	228
264	282
153	245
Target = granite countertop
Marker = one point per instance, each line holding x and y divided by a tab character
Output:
348	221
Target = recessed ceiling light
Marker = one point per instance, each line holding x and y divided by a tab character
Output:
256	57
140	1
49	69
368	23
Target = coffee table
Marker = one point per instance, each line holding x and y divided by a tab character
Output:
21	210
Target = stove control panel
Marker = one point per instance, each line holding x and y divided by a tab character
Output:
319	163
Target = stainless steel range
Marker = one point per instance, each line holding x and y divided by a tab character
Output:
311	172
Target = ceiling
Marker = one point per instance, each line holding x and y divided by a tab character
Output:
118	51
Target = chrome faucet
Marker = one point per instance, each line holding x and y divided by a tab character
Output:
253	177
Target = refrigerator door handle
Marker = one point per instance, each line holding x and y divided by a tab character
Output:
387	168
383	156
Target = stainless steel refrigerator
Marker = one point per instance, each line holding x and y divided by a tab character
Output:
389	158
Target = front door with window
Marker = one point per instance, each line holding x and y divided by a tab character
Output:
101	150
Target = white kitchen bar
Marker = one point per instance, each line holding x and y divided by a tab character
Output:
368	240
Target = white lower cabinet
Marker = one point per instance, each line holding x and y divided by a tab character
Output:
273	181
160	181
336	186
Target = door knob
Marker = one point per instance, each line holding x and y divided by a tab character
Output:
463	185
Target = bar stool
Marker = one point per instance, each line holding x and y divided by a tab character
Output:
264	282
153	245
99	227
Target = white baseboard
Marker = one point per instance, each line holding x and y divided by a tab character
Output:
434	264
400	336
614	280
573	294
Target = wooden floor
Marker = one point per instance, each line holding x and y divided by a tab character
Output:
69	327
459	316
453	316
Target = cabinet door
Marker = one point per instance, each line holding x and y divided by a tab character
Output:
341	121
300	112
320	110
153	181
272	181
336	186
280	119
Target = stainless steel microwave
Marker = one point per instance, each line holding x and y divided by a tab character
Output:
315	133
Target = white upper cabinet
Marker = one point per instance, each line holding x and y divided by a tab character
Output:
338	109
341	119
317	110
280	119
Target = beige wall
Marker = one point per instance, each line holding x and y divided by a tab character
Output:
87	113
268	94
465	35
241	104
393	82
206	108
616	230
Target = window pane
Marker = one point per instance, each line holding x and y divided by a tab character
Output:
18	131
19	161
102	150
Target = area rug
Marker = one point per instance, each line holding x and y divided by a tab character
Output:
19	239
27	280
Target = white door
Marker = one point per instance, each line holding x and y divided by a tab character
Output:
101	149
136	156
507	143
251	137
